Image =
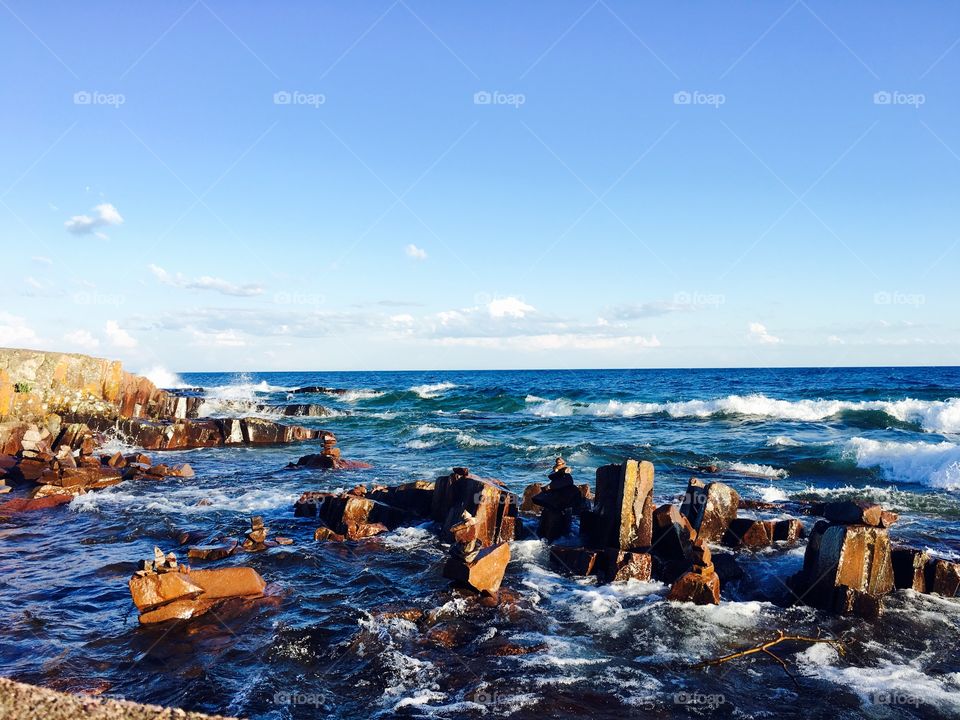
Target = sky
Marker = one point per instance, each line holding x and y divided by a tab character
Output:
213	185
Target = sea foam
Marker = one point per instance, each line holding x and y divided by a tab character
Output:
934	464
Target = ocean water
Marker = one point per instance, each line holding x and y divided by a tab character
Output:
317	647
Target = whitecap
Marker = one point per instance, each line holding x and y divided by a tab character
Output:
428	392
933	464
163	378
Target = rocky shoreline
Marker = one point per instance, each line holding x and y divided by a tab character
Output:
57	410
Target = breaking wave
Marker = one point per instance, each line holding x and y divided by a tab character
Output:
936	465
165	379
942	416
428	392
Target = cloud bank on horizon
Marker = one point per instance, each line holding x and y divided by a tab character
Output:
609	185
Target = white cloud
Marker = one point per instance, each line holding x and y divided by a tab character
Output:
555	341
835	340
14	331
118	336
759	333
103	215
415	252
509	307
81	338
222	338
205	282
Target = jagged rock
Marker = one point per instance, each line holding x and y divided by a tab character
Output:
855	556
573	560
305	410
358	531
847	601
672	541
45	502
415	497
623	507
615	565
184	434
710	508
151	589
727	568
853	512
789	530
484	573
558	502
909	568
339	512
228	582
494	507
700	587
212	552
325	534
527	505
943	577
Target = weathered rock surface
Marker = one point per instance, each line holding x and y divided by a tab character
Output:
710	508
909	568
482	572
622	515
492	505
701	587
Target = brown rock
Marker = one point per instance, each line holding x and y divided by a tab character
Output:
573	560
358	531
527	505
415	498
702	588
494	508
853	512
151	589
325	534
485	573
909	568
789	530
710	509
747	533
623	508
178	610
212	552
619	566
943	577
228	582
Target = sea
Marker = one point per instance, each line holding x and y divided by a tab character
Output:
335	638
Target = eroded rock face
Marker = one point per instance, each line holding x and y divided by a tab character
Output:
909	569
623	507
710	508
493	506
415	497
943	578
701	587
185	434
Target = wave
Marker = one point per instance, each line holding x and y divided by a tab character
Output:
936	465
942	416
352	396
757	470
783	441
428	392
163	378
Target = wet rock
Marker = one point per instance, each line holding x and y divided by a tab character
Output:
673	540
44	502
943	578
573	560
338	512
710	508
256	539
184	434
789	530
529	492
484	573
305	410
701	587
615	565
727	568
325	534
228	582
847	601
212	552
152	589
853	512
415	498
909	568
855	556
358	531
623	507
493	506
748	533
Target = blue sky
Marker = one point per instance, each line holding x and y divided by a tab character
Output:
401	185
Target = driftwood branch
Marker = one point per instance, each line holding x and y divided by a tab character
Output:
764	648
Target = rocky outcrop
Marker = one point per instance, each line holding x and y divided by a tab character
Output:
492	506
710	508
479	568
163	590
622	515
558	502
328	458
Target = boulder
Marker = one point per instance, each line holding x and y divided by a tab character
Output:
748	533
943	577
151	589
228	582
339	512
529	492
493	506
484	573
699	587
212	552
615	565
623	507
325	534
358	531
909	568
710	508
415	498
573	560
853	512
789	530
847	601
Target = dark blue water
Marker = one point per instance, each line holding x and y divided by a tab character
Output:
317	647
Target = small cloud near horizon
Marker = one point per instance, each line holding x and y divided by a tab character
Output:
104	215
759	333
417	253
205	282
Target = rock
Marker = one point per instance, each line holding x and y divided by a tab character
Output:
573	560
699	587
484	573
338	512
855	556
727	568
494	508
358	531
415	498
943	577
673	542
177	610
909	569
554	524
182	471
151	589
527	505
888	518
615	565
623	507
847	601
44	502
748	533
710	509
228	582
853	512
212	552
305	410
789	530
325	534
